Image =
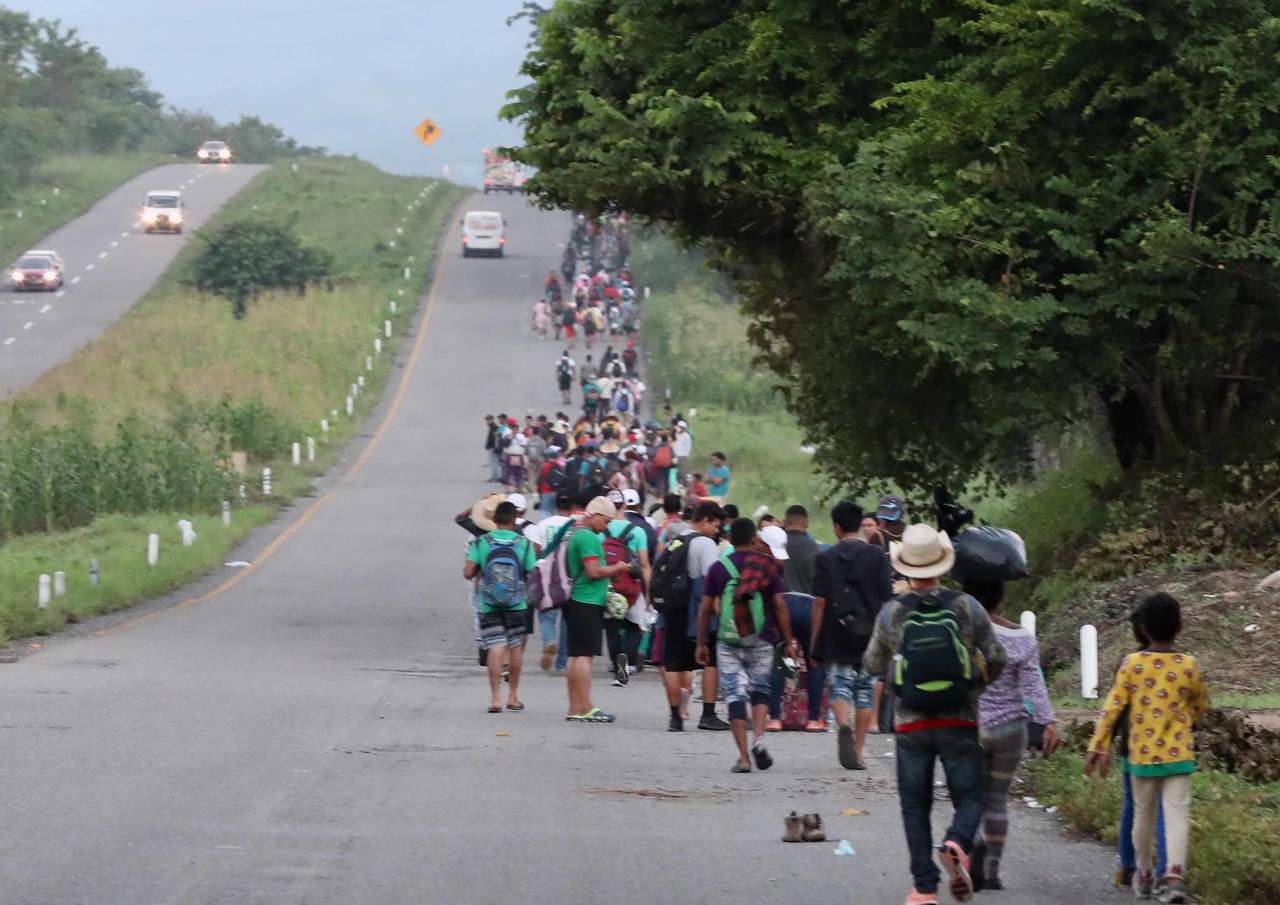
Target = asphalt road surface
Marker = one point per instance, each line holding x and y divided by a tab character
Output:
110	263
316	733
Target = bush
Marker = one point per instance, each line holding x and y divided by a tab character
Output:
242	260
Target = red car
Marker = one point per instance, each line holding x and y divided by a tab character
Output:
34	272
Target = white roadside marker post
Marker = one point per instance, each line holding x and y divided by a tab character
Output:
324	428
95	573
386	328
350	406
266	482
1028	621
244	493
188	532
59	584
297	453
311	449
1088	663
360	380
226	513
393	306
153	549
377	345
45	591
368	362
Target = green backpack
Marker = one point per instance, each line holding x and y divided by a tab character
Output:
740	618
933	670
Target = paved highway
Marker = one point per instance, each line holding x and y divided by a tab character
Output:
110	264
316	731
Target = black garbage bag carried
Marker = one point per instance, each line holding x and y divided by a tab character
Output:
989	554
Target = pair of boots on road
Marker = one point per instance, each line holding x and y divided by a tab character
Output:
806	828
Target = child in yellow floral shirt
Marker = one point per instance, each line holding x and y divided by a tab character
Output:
1164	694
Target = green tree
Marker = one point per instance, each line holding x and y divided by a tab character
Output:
242	260
958	225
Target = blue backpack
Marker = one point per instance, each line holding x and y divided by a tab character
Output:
502	581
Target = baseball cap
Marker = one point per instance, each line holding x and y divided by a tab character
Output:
616	497
518	500
890	508
776	538
630	497
601	506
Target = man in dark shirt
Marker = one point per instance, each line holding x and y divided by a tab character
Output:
851	582
491	448
802	550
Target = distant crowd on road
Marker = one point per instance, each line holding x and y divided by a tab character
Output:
605	537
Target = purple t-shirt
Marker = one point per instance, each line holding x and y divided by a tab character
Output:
718	578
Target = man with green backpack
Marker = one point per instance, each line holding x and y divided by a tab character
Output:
744	588
940	650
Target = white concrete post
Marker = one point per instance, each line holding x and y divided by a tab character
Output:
1028	620
646	292
360	380
56	191
45	592
350	406
266	482
386	328
324	426
244	493
59	584
391	244
226	513
95	573
297	454
406	273
377	345
153	549
1088	662
333	415
19	215
188	532
311	449
393	306
368	362
355	390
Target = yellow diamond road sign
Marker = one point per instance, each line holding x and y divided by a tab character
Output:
427	131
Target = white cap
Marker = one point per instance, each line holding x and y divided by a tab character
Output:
774	536
630	497
518	500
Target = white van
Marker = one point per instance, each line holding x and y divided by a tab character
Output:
483	233
163	211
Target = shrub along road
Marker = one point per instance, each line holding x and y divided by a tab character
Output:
316	731
110	263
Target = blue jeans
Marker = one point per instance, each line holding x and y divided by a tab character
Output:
851	685
1128	856
495	466
799	609
962	764
547	504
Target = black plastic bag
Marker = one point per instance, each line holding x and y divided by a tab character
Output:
989	554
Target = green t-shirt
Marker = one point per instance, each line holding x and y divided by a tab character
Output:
637	543
586	544
478	553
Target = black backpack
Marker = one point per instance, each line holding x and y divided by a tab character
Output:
669	583
851	612
933	670
555	477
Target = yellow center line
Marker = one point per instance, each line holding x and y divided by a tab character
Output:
323	500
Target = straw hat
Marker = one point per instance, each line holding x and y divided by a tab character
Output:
482	512
923	552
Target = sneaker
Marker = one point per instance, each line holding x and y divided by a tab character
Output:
813	829
623	677
675	724
978	866
915	897
844	748
1175	892
773	726
794	828
1124	877
956	863
713	723
761	757
1143	884
990	884
548	656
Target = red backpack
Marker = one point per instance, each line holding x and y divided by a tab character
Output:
616	551
662	456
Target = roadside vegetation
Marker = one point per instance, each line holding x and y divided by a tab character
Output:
178	384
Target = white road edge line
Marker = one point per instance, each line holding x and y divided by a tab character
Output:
124	235
115	242
75	280
45	309
10	341
28	325
88	267
60	293
102	256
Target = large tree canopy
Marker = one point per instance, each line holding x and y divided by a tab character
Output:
959	226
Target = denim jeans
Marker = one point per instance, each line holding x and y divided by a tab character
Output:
547	504
1128	856
562	651
495	466
962	764
547	627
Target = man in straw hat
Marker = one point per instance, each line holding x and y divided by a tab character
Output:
943	651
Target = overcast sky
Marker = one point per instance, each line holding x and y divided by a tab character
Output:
353	77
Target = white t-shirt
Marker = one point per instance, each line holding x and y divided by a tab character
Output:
547	528
702	556
683	445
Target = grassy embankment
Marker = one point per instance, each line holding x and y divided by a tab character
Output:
294	356
697	343
80	182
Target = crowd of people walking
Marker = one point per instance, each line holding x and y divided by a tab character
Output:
604	538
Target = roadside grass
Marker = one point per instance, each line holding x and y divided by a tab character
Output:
1227	700
119	543
80	180
297	356
1234	856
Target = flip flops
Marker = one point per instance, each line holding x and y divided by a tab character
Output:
594	715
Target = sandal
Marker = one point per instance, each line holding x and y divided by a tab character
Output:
495	710
516	707
594	715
